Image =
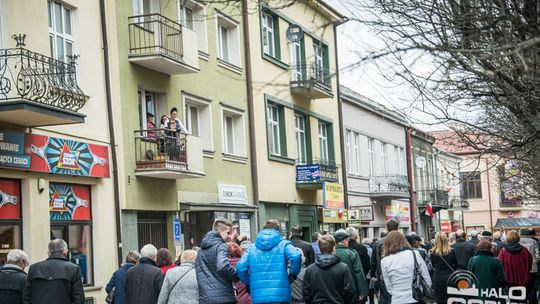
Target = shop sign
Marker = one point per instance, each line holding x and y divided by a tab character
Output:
335	216
366	213
333	196
354	216
446	226
69	202
232	194
398	213
52	155
10	199
308	173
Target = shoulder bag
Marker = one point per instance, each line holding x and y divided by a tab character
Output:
110	296
181	277
421	291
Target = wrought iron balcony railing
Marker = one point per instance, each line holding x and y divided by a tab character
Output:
31	77
458	202
397	185
319	169
160	149
437	197
155	34
304	73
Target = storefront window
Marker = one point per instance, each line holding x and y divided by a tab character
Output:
10	217
241	221
70	213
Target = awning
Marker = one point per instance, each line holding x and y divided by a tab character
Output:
520	222
217	207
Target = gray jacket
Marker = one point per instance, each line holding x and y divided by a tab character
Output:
186	291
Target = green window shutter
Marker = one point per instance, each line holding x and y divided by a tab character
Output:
282	131
330	131
277	41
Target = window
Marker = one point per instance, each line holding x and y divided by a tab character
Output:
228	41
147	105
192	16
296	61
370	155
60	31
274	130
192	119
233	132
71	220
472	185
320	61
300	128
268	34
402	165
384	158
353	152
323	141
198	118
142	7
10	217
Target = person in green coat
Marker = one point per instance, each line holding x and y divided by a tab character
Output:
352	260
487	268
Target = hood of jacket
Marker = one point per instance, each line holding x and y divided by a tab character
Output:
514	249
325	260
212	238
127	266
268	239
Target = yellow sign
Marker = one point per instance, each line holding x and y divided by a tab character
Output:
338	216
333	196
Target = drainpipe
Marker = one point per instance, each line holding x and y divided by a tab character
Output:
410	177
489	197
251	111
111	129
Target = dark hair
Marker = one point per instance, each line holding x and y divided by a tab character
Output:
296	230
484	245
174	109
148	114
327	244
315	236
394	243
222	224
375	240
384	233
392	225
460	235
410	239
272	224
163	257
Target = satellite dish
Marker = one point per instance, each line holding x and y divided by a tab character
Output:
295	33
420	162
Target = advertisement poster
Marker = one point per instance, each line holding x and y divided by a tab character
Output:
308	173
398	213
10	199
40	153
69	202
446	226
333	196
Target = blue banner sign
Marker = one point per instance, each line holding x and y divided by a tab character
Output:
176	226
11	142
308	173
15	161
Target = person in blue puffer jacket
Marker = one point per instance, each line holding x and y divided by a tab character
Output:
264	266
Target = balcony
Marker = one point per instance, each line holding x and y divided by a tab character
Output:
311	80
160	44
312	173
439	199
160	153
389	186
36	90
509	205
458	203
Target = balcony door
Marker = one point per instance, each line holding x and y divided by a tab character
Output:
296	61
318	61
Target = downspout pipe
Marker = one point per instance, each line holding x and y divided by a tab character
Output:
410	177
110	117
489	197
251	110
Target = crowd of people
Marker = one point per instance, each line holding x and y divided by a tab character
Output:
337	268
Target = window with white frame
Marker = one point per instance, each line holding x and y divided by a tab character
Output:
61	41
300	129
402	164
384	158
371	155
318	61
274	129
228	40
397	165
296	61
198	119
233	132
192	16
353	152
323	141
269	47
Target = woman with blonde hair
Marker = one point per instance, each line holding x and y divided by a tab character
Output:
180	285
398	267
444	262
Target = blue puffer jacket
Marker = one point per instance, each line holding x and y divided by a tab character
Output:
264	267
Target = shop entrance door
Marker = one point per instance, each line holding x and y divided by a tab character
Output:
152	227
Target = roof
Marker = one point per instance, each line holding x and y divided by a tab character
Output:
449	141
519	222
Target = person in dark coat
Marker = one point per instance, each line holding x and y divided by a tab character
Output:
464	250
359	248
55	280
328	280
444	262
118	278
215	274
143	281
315	245
296	240
350	258
487	268
474	238
13	277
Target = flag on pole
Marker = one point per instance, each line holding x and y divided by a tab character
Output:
429	210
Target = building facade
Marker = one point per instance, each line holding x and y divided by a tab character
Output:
185	59
56	179
296	112
375	145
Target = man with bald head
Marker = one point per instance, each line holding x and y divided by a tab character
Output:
464	250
